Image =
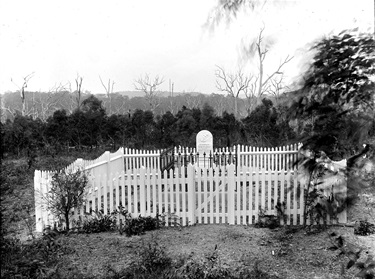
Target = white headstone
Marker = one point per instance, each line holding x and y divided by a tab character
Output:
204	141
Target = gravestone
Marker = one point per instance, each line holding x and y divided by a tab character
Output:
204	142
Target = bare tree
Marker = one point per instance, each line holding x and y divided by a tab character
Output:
260	49
171	103
219	103
50	102
277	87
78	91
22	91
150	88
193	101
233	84
261	84
109	90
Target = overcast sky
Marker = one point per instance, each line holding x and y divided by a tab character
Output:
122	40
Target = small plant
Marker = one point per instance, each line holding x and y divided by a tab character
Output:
139	225
267	221
367	268
208	267
153	257
39	258
271	221
67	191
171	219
152	262
364	228
98	222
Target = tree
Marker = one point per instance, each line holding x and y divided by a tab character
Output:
109	92
207	118
57	130
95	118
49	102
143	128
233	84
229	9
277	87
338	88
22	92
185	127
257	48
67	191
261	125
229	129
343	71
165	125
149	87
76	96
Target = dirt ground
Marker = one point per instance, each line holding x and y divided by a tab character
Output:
284	252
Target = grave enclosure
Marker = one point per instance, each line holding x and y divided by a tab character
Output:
189	186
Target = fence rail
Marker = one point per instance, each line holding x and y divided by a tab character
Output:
257	182
195	195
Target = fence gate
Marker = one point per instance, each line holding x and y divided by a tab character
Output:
235	193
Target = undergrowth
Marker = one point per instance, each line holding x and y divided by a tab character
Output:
153	261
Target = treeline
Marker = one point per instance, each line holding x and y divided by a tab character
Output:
90	127
43	104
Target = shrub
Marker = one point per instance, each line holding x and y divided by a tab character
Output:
152	262
40	258
139	225
364	228
67	191
208	267
99	222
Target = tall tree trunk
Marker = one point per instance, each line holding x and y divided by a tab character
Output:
67	221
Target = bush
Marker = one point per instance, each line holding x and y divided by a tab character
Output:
40	258
208	267
152	262
99	223
364	228
138	226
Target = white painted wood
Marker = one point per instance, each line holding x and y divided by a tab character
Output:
233	197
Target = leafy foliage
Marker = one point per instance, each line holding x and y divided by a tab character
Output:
337	97
152	262
67	191
319	176
364	228
271	221
90	128
342	69
139	225
98	222
41	258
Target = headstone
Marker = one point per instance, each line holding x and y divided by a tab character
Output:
204	142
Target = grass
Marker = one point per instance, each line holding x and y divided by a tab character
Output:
201	251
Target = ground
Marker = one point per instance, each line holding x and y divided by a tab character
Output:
288	252
284	252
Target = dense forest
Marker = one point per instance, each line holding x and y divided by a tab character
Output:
91	127
332	110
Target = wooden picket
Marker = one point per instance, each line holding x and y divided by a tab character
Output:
237	194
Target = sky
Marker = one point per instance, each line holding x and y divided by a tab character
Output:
56	41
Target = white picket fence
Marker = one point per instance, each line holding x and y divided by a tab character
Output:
235	194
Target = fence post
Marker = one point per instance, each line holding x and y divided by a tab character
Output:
38	201
142	194
108	160
342	191
231	194
191	194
